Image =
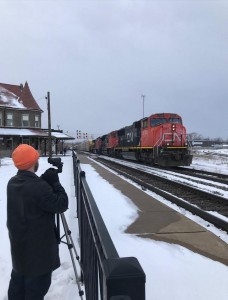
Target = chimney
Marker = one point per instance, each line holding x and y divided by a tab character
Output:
21	86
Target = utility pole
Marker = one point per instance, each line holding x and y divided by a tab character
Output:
49	125
143	97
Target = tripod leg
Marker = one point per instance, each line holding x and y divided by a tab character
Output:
70	237
70	245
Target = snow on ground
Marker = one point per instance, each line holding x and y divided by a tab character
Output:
172	271
211	160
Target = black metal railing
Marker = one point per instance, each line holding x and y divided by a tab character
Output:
105	275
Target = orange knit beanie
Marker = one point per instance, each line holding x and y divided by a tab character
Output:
25	156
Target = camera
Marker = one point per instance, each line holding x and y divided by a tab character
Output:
56	162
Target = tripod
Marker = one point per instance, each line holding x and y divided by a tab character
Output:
70	243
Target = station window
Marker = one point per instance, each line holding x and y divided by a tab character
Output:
37	123
9	119
25	120
0	118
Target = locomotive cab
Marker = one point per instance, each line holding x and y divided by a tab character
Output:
164	140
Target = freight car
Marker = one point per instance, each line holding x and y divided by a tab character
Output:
86	146
159	139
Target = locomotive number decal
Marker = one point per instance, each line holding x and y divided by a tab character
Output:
130	137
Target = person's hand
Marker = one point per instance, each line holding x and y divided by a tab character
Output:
50	176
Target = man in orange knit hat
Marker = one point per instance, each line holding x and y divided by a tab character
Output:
32	203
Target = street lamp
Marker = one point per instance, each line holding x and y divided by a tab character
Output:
49	125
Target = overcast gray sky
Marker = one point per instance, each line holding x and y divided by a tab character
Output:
97	57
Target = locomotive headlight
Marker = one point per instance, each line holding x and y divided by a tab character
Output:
173	127
167	144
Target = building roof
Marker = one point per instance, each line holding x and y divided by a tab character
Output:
33	132
17	96
60	135
22	132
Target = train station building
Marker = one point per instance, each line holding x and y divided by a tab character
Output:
21	122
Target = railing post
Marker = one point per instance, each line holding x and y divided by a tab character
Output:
125	279
81	175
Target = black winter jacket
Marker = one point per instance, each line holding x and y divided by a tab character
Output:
31	207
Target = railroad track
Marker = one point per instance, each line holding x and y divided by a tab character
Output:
212	176
216	177
193	199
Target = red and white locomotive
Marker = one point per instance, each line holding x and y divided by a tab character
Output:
160	139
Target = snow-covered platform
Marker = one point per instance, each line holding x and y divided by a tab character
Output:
158	221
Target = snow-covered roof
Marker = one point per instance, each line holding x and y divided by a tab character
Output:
17	96
33	132
60	135
8	98
22	132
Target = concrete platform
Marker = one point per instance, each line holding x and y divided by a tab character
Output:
159	222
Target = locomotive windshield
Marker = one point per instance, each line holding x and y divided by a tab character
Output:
160	121
157	122
175	120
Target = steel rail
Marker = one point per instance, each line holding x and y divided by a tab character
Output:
126	172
